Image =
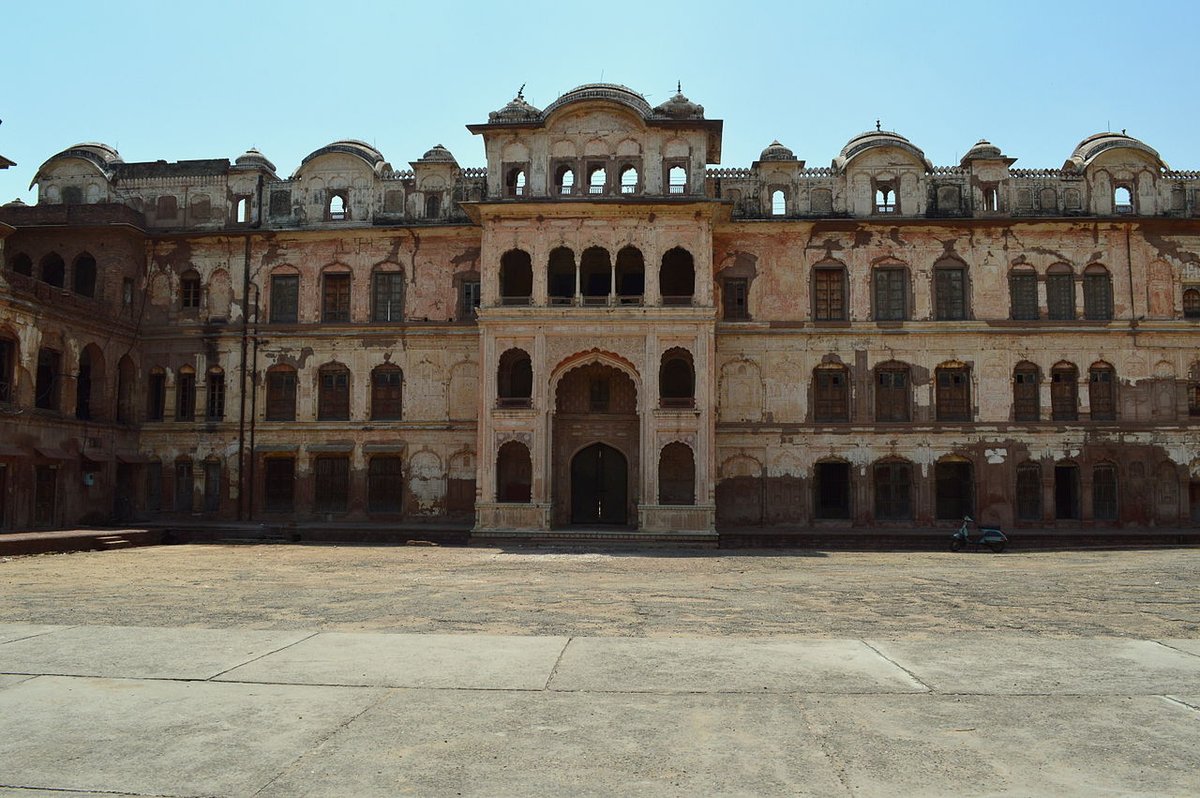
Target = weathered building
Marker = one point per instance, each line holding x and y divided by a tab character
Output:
599	327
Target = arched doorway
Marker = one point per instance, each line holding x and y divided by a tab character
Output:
599	480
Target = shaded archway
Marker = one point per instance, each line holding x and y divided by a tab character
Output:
677	277
516	278
514	473
599	484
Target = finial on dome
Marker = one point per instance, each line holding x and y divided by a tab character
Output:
877	125
679	87
521	92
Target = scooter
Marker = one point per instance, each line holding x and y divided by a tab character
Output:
990	536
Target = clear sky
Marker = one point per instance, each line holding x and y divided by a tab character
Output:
174	80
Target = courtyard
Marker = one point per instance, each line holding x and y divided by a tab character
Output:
287	670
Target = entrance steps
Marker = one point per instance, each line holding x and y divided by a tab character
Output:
595	538
105	542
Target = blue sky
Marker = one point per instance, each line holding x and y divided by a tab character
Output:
209	79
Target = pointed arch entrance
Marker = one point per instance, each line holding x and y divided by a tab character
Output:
595	441
599	485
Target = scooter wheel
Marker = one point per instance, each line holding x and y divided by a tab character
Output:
956	545
996	546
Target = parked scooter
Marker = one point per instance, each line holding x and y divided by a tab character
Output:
990	536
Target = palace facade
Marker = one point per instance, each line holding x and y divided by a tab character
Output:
601	329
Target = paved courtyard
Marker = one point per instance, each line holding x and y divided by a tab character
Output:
306	670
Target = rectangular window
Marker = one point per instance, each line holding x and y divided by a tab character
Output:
468	299
333	398
49	371
212	486
280	484
891	395
599	396
335	298
950	287
281	203
388	296
1029	493
387	393
1104	493
332	486
385	485
281	396
733	297
1025	396
285	298
893	492
953	395
829	295
832	396
184	485
189	293
890	294
215	406
1022	289
1097	297
185	397
1060	296
156	398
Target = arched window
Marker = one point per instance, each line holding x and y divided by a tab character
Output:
281	393
21	264
8	368
564	178
991	200
514	182
185	394
242	213
950	290
53	270
433	206
514	474
677	379
214	406
1060	292
953	393
954	486
1102	392
1122	200
515	379
893	490
85	275
212	484
595	276
677	180
885	199
1193	390
285	298
597	180
185	485
89	377
676	475
890	284
629	180
387	392
339	206
1022	293
48	379
1029	492
831	393
1064	392
1104	492
778	203
516	278
631	276
893	396
1097	293
167	208
189	290
1026	387
677	277
829	293
333	393
561	276
1191	303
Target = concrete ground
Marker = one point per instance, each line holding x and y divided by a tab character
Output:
360	671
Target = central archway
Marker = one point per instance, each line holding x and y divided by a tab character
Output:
599	481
